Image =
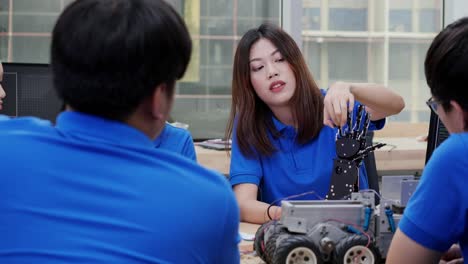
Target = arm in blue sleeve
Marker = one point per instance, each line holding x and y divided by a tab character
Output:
243	169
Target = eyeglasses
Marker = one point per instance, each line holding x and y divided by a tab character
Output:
433	104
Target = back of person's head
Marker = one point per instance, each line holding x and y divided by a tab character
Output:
306	103
446	65
107	56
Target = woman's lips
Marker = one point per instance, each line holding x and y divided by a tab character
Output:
277	86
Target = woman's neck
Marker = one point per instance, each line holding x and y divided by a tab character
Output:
284	115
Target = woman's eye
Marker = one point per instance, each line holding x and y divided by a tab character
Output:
280	60
255	69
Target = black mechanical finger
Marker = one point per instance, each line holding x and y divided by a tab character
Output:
366	126
362	153
349	123
357	125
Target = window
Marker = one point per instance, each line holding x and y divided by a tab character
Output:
350	40
373	41
203	96
25	28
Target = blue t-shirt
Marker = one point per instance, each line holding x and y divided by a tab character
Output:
91	190
177	140
437	213
294	169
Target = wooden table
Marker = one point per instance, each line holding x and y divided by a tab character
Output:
401	155
217	160
404	155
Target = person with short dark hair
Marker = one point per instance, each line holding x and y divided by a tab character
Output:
283	126
437	214
93	188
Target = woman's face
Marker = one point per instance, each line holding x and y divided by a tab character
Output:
270	74
2	92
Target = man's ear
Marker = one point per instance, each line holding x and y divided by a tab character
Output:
460	114
159	102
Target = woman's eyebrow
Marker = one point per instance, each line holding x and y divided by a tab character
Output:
257	59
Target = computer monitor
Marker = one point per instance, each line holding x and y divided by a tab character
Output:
29	90
437	134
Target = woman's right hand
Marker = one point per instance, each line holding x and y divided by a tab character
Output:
337	102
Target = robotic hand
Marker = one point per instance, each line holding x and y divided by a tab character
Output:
351	148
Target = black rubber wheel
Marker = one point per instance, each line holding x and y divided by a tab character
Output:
354	249
275	231
297	249
259	242
271	246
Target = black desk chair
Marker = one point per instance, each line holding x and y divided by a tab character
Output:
371	168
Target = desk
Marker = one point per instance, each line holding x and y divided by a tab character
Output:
401	155
217	160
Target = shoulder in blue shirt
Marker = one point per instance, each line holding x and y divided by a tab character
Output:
177	140
437	213
4	117
93	190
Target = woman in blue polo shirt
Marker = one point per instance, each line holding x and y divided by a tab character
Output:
283	127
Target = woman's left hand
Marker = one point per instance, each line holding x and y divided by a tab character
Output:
337	102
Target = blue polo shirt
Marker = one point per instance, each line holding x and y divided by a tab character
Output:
437	214
294	168
91	190
177	140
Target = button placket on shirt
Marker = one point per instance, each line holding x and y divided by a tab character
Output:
289	144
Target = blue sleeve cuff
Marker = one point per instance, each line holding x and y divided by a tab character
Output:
421	237
377	124
239	178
